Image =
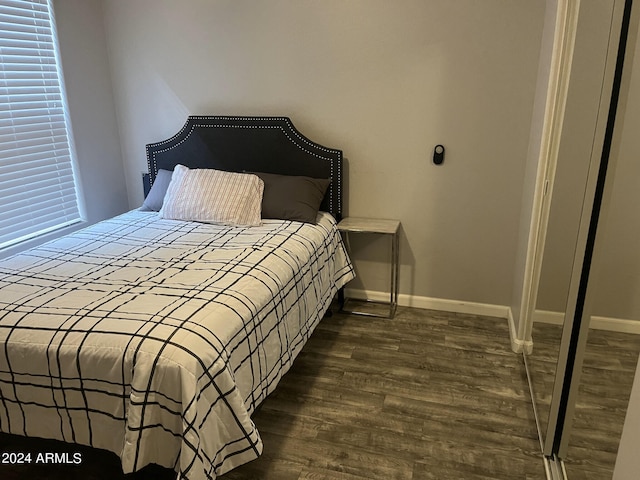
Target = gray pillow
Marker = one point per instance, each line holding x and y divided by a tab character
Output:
290	197
155	198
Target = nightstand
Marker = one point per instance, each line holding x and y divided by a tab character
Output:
353	225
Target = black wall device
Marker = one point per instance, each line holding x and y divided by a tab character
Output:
438	154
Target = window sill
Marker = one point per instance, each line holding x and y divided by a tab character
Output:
34	242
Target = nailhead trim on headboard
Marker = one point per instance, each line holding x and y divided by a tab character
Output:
194	122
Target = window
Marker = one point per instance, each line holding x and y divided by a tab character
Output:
37	183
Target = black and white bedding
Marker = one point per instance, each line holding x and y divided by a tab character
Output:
156	339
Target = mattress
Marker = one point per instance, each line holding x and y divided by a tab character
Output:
156	339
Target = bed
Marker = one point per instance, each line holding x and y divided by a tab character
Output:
156	337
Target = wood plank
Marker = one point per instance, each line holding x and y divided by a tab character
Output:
425	395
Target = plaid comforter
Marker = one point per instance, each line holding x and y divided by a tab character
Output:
156	339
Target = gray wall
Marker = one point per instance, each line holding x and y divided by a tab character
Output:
382	82
83	52
385	82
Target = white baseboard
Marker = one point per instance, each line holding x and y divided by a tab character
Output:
517	345
430	303
446	305
611	324
500	311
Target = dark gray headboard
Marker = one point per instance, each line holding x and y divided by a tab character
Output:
251	144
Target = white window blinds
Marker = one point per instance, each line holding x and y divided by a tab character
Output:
37	184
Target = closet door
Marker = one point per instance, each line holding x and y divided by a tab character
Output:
567	196
589	243
613	342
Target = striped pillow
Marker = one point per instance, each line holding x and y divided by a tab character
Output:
213	196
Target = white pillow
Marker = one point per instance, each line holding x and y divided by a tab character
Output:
213	196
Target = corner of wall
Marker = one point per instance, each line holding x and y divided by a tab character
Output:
517	345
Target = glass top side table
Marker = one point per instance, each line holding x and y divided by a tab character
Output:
358	225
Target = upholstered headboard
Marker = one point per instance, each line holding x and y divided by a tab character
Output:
249	144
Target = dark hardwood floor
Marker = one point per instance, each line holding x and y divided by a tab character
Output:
427	395
607	377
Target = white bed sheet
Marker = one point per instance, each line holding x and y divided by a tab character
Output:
156	339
